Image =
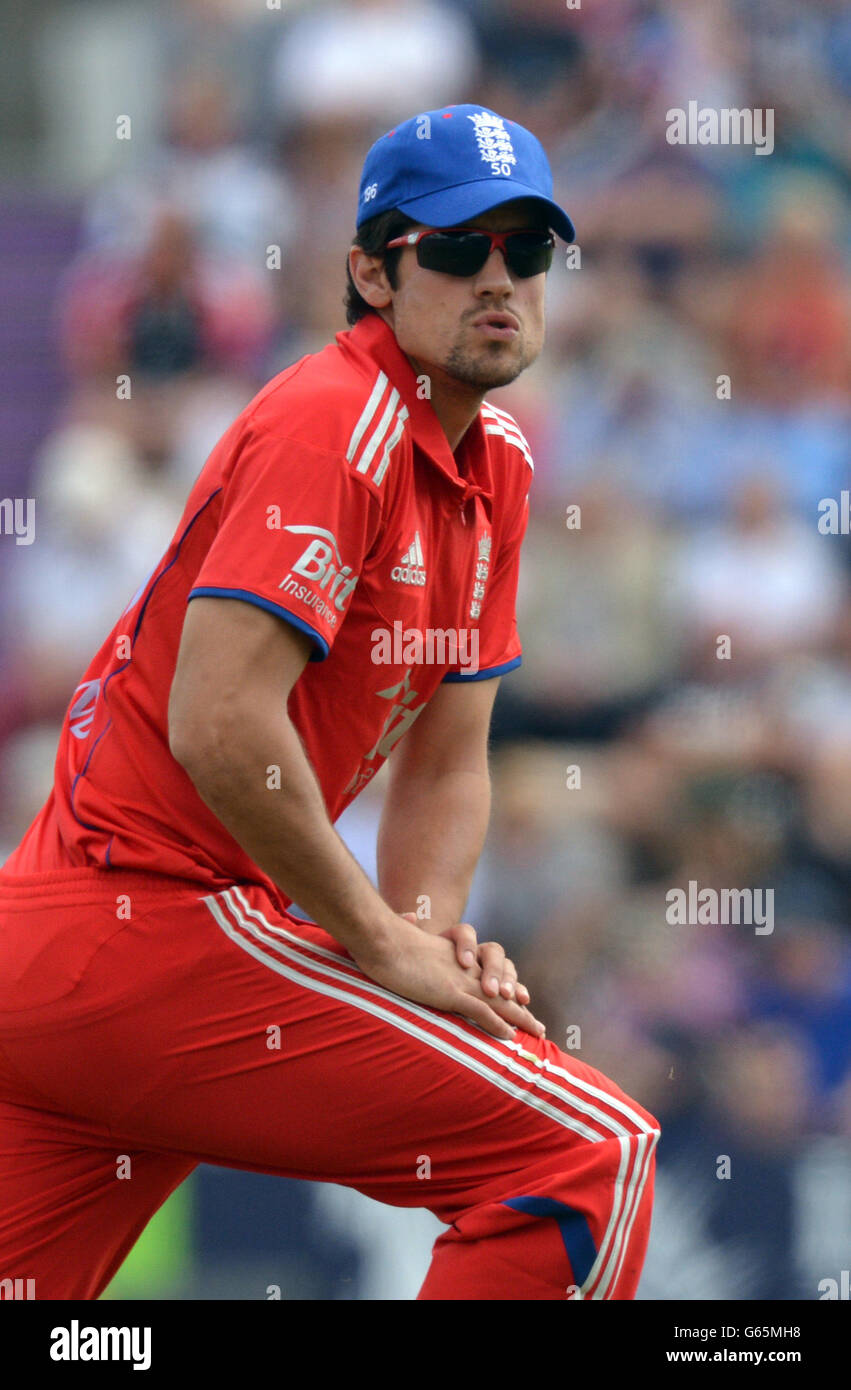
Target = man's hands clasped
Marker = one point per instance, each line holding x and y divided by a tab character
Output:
453	971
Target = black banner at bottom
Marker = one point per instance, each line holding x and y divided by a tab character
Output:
56	1340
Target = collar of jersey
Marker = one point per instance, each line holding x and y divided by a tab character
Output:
372	336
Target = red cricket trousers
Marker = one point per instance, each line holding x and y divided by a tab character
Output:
144	1019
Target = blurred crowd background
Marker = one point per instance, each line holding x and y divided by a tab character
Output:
206	252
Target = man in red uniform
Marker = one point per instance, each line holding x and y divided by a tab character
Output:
341	586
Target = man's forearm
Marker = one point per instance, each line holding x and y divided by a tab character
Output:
431	835
285	828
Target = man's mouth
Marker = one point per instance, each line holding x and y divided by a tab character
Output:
499	326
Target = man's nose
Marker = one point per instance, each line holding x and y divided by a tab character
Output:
493	276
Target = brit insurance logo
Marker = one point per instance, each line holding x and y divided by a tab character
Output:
494	142
322	565
410	569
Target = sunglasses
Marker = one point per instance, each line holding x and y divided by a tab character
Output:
464	250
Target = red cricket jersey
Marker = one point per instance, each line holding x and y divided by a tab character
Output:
335	502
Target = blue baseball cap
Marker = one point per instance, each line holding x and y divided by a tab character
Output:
444	167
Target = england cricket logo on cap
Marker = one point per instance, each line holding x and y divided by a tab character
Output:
494	142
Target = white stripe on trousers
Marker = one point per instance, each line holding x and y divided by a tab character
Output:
626	1195
349	972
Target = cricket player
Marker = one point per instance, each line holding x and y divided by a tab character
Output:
160	1005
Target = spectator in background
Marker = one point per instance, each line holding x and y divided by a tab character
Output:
591	607
763	577
179	282
806	985
26	775
234	199
787	328
166	310
367	61
93	551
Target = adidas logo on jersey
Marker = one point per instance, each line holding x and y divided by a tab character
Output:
410	568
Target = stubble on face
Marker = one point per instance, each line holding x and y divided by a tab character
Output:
492	365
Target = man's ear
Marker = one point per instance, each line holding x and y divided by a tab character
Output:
370	278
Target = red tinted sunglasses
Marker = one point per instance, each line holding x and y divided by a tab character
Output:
464	250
